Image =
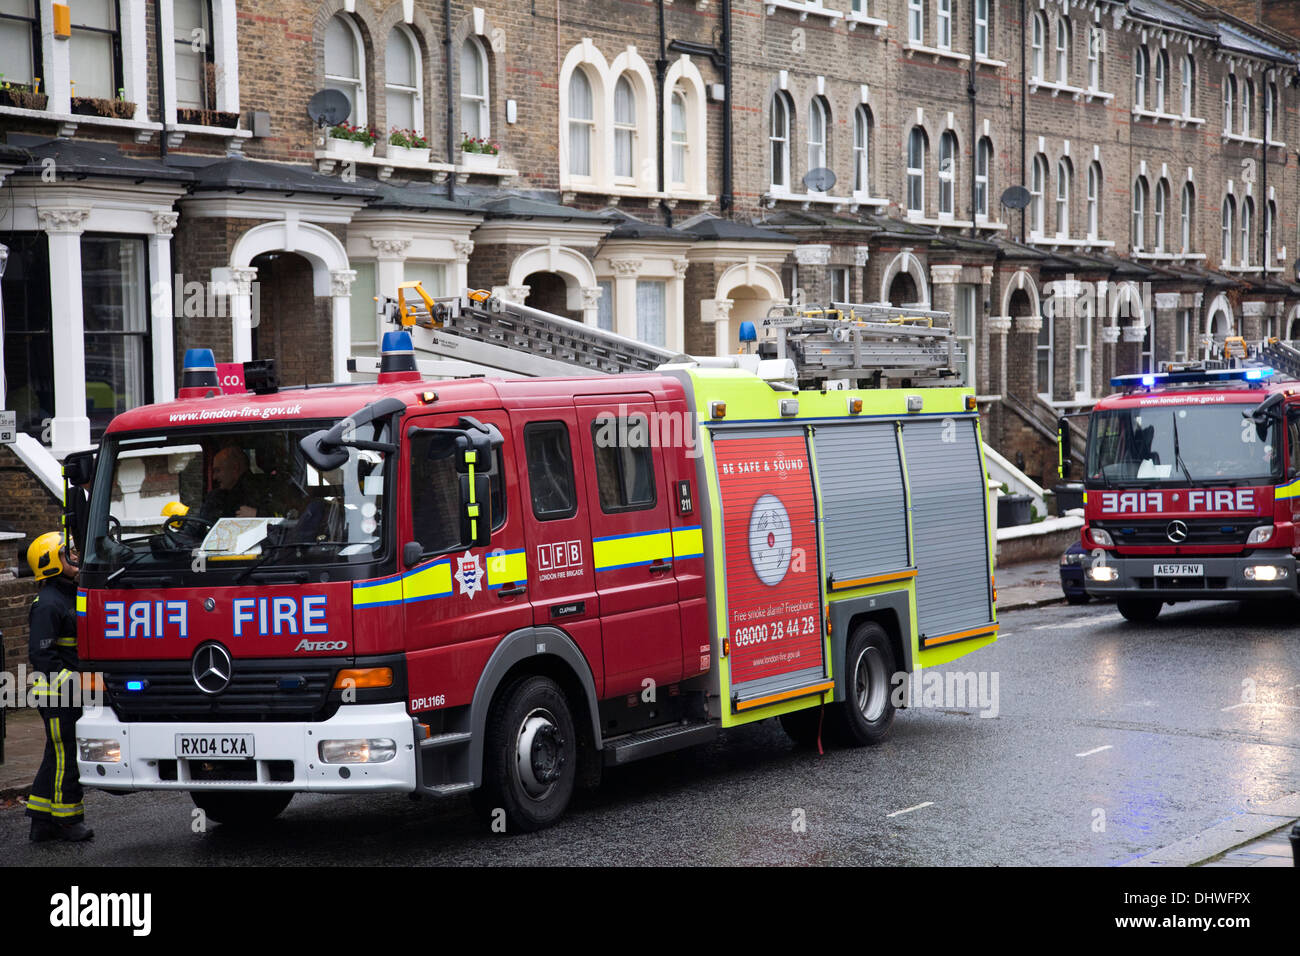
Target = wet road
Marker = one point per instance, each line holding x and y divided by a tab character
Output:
1110	740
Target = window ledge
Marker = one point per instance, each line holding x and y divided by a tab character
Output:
1056	89
68	122
614	193
934	52
1066	242
327	162
982	222
803	9
1167	256
770	199
866	199
1276	144
854	20
1155	116
176	133
990	62
1090	95
941	222
1238	138
1241	270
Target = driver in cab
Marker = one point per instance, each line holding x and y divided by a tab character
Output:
235	492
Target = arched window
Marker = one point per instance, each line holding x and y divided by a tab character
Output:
474	89
1138	231
624	129
193	49
1229	101
582	123
943	24
1094	199
1045	348
947	171
862	151
1185	218
1083	348
345	64
1270	112
1063	50
1162	202
1037	44
1247	107
678	140
818	123
779	141
1247	220
1162	79
1229	217
983	165
1037	183
982	24
916	148
1094	58
1064	175
402	80
1189	85
1270	227
1140	61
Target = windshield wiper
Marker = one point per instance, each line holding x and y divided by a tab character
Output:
271	549
1178	457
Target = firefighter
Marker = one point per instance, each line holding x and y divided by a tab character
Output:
55	801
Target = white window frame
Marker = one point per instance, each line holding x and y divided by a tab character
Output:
1094	199
626	129
1227	230
1063	50
1045	348
1189	85
1137	225
1140	60
358	83
838	275
819	122
1183	333
779	141
1247	93
916	21
1271	102
1094	57
943	24
573	123
679	140
983	18
1037	201
964	316
1083	315
1246	224
916	170
1063	176
1038	47
862	151
1185	218
1162	79
1159	208
416	92
947	177
483	102
983	171
1229	102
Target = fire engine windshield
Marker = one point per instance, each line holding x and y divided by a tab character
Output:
234	503
1191	444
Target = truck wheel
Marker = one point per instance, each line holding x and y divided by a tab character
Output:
802	726
530	757
1139	610
867	714
241	808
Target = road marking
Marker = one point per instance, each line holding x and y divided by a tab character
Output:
1095	750
919	806
1253	703
1081	622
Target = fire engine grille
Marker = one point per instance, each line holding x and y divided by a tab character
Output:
1199	531
258	691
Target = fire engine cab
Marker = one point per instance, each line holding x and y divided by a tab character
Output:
500	586
1192	483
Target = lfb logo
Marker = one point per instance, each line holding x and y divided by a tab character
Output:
559	555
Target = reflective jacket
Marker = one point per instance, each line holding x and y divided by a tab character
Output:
52	637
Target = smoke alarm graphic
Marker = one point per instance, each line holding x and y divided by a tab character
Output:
770	539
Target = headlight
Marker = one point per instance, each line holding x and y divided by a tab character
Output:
360	750
1260	534
99	751
1103	572
1102	537
1265	572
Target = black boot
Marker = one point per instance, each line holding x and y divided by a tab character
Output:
75	832
43	830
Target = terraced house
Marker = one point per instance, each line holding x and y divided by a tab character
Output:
657	168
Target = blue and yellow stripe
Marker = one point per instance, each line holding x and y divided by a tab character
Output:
646	547
81	604
507	567
1290	490
435	580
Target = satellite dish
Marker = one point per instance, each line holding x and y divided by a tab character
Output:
1016	197
819	180
329	107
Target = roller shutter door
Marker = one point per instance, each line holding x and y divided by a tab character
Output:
865	509
949	526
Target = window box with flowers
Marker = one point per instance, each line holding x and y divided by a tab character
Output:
479	155
407	146
22	95
120	108
351	142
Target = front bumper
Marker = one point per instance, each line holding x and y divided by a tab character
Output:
1224	580
285	754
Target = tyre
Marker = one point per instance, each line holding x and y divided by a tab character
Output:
530	757
1076	599
867	714
803	726
241	808
1139	610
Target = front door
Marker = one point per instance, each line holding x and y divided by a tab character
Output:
628	505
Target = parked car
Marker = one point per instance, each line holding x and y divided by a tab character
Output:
1073	562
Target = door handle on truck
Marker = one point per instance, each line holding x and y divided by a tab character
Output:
660	567
511	592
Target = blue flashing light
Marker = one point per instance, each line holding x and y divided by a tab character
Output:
135	685
199	360
1192	376
747	332
1148	380
1254	374
397	342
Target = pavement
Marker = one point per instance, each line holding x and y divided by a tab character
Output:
1255	837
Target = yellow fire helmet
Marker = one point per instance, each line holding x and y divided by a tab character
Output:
43	555
175	509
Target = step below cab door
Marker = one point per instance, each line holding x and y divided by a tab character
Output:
628	506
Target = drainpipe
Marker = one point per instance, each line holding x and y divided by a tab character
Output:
661	73
727	198
162	83
974	136
1024	91
451	102
1263	173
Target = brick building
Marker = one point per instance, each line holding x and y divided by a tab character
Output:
164	186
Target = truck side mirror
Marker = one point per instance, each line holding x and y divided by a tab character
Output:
79	468
475	510
1063	447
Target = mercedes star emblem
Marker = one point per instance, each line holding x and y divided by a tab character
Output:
211	668
1176	532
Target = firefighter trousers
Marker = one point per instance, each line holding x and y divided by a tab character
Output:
56	795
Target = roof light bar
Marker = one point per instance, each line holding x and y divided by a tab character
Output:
1154	379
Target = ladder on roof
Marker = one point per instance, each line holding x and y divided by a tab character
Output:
1281	356
800	347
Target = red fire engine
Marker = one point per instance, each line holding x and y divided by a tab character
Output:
1192	483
